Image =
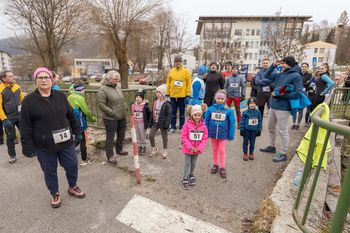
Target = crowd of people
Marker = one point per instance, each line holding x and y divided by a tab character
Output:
52	125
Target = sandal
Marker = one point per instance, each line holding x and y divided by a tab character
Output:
222	172
76	192
56	200
214	169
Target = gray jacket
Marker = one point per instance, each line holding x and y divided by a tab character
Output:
235	86
111	102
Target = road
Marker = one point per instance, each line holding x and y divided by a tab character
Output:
226	203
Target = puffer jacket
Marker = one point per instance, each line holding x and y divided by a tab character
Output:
11	97
179	82
235	86
220	129
111	102
278	80
188	128
164	115
248	118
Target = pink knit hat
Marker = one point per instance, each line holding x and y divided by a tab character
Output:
42	70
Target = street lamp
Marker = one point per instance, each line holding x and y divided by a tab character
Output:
339	26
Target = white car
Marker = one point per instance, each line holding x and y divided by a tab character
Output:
66	79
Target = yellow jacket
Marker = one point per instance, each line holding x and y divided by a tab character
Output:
179	82
11	97
303	148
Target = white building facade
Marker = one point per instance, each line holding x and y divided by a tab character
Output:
5	60
319	52
241	38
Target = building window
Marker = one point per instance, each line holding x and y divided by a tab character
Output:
247	32
320	59
238	32
185	62
316	50
255	56
253	32
251	44
322	50
78	63
256	44
258	32
247	44
250	56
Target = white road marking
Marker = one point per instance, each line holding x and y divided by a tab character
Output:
147	216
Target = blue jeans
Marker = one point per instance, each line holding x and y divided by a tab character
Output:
249	138
48	163
175	104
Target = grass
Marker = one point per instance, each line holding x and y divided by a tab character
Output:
266	214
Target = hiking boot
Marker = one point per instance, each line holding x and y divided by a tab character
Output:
245	157
214	169
280	157
12	159
76	192
192	180
251	156
293	127
269	149
122	152
56	200
171	131
297	127
222	173
185	183
154	152
112	160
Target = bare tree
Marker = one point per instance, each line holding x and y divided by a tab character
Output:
50	25
116	20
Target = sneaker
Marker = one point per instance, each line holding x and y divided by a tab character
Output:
185	183
171	131
293	127
297	127
87	162
245	157
113	160
251	156
12	160
56	200
122	152
164	154
280	157
142	149
269	149
214	169
76	192
154	152
222	172
192	180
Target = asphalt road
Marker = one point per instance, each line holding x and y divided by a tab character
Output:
228	203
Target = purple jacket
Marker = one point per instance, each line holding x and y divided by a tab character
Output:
194	136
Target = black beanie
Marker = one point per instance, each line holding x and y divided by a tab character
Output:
289	61
140	93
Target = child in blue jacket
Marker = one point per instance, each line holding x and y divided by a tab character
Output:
220	122
250	128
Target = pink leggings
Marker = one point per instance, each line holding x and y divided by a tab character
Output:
219	149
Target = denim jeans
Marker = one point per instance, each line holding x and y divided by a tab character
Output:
249	138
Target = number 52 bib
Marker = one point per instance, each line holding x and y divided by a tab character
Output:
217	116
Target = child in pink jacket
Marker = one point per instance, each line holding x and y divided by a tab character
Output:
194	137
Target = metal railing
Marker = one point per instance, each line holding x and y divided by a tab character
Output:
343	204
340	102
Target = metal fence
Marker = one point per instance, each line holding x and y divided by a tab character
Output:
340	102
343	204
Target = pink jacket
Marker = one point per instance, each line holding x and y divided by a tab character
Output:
194	136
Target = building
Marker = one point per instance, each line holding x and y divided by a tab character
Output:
242	38
5	60
319	52
188	61
90	67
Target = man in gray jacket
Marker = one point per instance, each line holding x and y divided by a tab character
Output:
235	90
111	102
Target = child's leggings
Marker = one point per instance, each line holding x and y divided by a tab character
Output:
219	151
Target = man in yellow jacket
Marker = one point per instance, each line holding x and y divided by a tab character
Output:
11	97
179	88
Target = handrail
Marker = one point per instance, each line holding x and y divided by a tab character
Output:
343	204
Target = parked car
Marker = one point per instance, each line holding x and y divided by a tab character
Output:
67	79
137	78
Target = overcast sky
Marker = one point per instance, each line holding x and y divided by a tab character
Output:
192	9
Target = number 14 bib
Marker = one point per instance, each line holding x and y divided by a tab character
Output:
61	135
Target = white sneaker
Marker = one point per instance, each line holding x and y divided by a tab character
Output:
154	152
171	131
164	154
86	162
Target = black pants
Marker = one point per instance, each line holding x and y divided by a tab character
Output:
114	127
11	136
83	149
309	110
318	99
177	103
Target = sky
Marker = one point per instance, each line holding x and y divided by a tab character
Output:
192	9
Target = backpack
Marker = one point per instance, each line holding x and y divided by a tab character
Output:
81	118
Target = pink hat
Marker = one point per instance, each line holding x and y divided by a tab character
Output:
42	70
220	95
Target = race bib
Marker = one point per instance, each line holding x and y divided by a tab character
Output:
234	85
178	83
196	135
253	121
61	135
19	108
216	116
138	115
266	89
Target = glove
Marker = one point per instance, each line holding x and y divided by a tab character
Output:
28	153
78	138
147	133
242	97
7	124
258	133
241	133
187	100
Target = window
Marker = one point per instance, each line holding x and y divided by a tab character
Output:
245	55
256	44
105	63
250	56
320	59
322	50
316	50
251	44
247	32
253	32
255	56
78	63
238	32
258	32
184	62
247	44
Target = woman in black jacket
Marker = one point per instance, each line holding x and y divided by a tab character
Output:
49	130
213	82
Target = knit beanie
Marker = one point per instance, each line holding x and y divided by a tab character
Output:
196	109
42	70
141	92
289	61
178	58
202	70
162	89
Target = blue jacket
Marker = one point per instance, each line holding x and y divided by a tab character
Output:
259	76
220	129
198	91
248	120
235	86
278	80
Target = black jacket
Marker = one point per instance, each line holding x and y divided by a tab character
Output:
213	82
164	115
40	116
306	78
146	114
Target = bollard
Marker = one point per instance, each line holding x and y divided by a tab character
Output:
135	150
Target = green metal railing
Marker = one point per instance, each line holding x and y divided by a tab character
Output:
340	102
343	204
